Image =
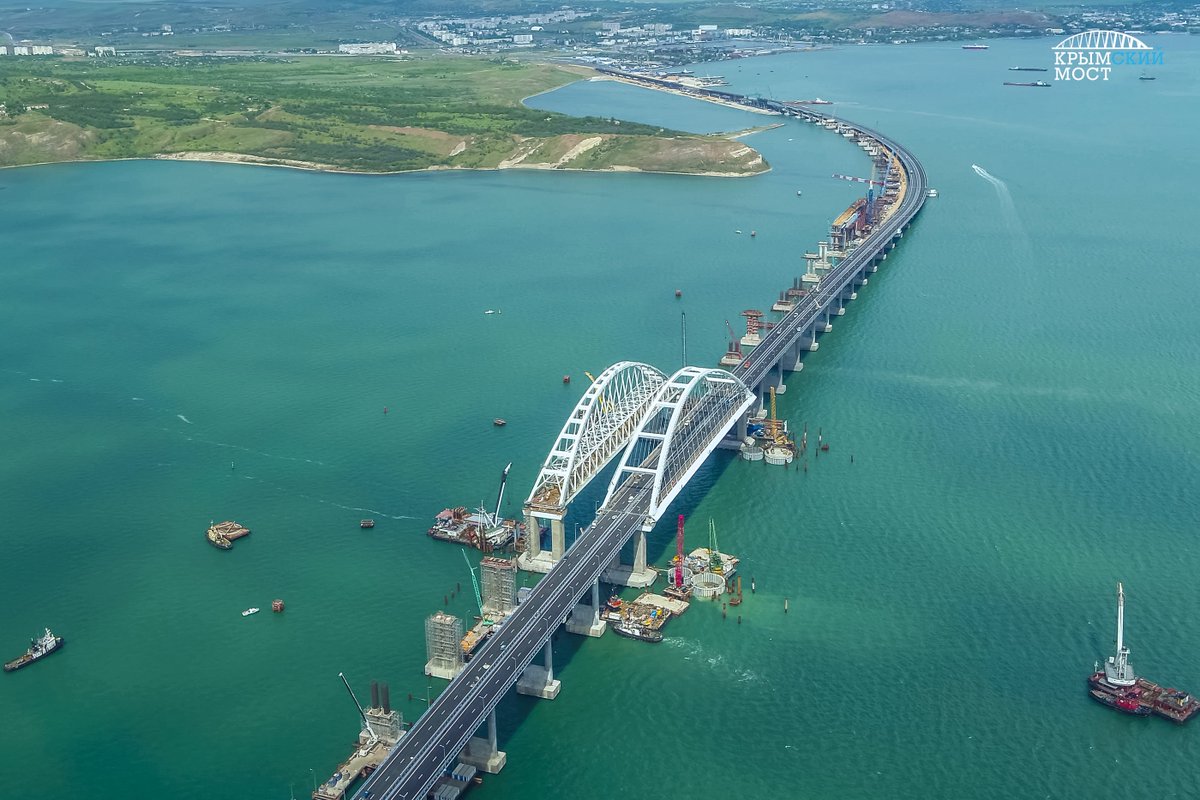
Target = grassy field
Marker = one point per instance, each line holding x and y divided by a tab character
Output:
372	115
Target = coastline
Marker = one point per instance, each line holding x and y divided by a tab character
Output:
584	73
259	161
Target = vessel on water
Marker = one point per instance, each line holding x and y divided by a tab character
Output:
38	648
974	47
1031	83
485	530
1145	77
614	603
1128	705
631	631
250	611
499	422
221	535
367	523
1117	686
1028	69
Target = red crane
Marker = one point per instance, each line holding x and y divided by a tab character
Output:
679	553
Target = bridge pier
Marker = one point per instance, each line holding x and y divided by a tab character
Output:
636	575
482	752
535	559
585	619
539	681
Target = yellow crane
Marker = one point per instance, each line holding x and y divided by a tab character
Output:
605	406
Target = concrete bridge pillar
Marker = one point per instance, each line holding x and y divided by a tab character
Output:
538	681
482	753
558	539
533	536
585	619
535	559
637	574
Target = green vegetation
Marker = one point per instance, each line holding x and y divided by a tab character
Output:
377	115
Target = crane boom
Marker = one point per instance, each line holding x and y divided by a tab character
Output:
474	582
857	180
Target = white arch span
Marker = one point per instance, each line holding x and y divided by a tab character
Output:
600	425
686	420
1102	40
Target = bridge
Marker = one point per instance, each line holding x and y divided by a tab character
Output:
664	428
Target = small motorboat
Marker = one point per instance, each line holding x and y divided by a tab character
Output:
499	423
679	293
566	378
490	311
825	448
739	233
250	611
753	234
367	523
799	193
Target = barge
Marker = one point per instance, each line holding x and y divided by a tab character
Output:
221	535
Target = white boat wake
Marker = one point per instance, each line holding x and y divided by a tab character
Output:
185	419
1008	210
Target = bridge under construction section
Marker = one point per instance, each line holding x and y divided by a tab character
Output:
659	429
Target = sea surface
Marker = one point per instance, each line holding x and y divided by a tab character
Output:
1017	386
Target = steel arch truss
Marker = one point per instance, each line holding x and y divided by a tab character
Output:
685	422
601	424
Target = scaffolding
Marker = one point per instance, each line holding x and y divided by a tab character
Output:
499	577
443	637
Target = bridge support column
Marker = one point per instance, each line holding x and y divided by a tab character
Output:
535	559
585	619
482	753
538	681
828	324
533	536
637	575
558	539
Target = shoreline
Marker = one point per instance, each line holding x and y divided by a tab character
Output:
228	157
254	161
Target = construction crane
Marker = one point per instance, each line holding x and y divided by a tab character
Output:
775	426
735	344
679	553
857	180
715	564
605	406
474	583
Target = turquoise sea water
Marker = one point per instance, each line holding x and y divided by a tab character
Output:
1018	385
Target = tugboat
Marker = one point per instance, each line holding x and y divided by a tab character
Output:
1127	704
38	648
633	631
614	603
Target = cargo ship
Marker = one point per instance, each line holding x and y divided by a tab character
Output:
1028	69
974	47
38	648
1031	83
1117	686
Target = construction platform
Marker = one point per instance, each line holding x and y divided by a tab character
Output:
650	611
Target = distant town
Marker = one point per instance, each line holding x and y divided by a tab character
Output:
627	36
